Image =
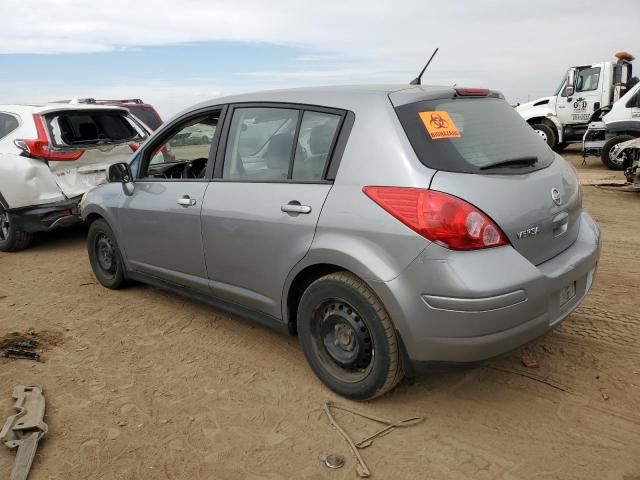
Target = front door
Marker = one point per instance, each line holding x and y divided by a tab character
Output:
586	99
259	216
161	217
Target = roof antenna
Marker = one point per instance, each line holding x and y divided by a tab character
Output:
418	79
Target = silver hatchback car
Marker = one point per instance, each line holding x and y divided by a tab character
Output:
389	227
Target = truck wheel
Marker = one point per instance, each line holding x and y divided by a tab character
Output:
606	152
546	132
104	255
12	239
348	337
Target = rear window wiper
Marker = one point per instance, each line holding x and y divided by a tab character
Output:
513	162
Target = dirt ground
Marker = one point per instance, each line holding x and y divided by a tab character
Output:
142	384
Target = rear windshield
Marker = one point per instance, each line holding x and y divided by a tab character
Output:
473	135
93	127
146	115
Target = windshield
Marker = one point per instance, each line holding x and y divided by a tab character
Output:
471	134
561	86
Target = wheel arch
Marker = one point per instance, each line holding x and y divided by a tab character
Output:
551	123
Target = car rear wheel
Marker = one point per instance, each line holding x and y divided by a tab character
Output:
610	163
546	133
12	238
104	256
348	337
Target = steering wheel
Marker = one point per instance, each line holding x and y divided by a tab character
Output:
195	168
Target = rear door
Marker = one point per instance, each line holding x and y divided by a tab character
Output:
261	210
489	157
100	137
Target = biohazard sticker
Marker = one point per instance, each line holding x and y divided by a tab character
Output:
439	125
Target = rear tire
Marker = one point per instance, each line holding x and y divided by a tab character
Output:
12	238
348	338
606	152
104	256
547	133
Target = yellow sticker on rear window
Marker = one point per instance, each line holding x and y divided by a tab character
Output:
439	125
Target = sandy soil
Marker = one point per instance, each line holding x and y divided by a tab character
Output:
142	384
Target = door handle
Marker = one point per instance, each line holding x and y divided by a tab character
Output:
295	207
187	201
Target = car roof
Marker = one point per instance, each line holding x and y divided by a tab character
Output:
22	108
342	96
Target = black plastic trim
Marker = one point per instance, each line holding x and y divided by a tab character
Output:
40	218
233	308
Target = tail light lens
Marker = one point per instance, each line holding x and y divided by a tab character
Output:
42	149
439	217
134	146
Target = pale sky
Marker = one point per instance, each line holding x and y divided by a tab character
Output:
176	55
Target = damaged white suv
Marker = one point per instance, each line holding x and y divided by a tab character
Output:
50	155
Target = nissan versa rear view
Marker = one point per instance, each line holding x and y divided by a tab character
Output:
388	227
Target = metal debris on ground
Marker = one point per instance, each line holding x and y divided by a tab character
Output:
388	427
332	461
22	349
25	429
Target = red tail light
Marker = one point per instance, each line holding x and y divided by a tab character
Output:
41	148
134	146
439	217
472	92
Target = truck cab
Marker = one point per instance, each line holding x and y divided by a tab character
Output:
584	91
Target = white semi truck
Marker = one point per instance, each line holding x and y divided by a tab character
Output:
585	93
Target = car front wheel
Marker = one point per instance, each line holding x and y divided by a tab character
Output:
12	238
348	337
104	255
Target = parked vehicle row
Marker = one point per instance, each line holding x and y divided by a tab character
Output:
388	227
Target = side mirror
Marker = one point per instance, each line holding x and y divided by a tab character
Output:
571	82
119	173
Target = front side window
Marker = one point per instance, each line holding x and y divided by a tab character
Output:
587	79
185	153
8	123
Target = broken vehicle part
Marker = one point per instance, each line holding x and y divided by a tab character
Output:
25	429
332	461
389	425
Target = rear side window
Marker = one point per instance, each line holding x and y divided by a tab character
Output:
279	144
97	127
317	132
473	135
8	123
146	115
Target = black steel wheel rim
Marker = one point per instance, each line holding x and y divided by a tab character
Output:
105	253
343	341
4	224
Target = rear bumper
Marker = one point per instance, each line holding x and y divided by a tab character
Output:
40	218
470	306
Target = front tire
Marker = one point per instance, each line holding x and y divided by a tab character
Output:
547	134
104	256
348	338
12	238
606	152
